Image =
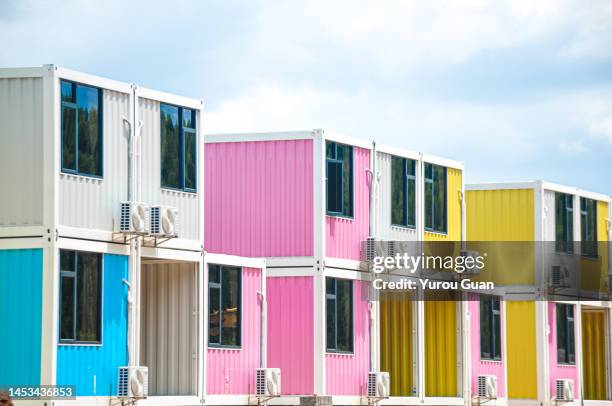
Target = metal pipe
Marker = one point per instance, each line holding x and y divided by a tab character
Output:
263	334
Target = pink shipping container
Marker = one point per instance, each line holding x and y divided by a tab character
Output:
267	196
560	370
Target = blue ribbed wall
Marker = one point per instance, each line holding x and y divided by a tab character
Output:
20	316
80	364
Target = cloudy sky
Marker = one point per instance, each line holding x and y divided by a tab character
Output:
518	90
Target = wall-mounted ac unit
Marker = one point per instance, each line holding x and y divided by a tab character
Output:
134	218
268	382
564	390
487	386
379	385
560	276
372	248
164	221
471	268
133	382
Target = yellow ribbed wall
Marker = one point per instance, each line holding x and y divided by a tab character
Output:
595	271
396	350
441	348
454	183
594	354
521	343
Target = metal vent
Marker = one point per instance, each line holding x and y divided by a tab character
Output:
369	249
124	221
155	223
260	384
372	384
564	389
123	382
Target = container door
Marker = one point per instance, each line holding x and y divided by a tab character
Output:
594	354
441	348
521	343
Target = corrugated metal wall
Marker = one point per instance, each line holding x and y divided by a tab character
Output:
521	346
346	374
549	215
152	193
94	203
344	235
21	151
441	348
557	370
21	316
169	328
594	354
480	366
396	343
384	229
259	198
232	371
93	368
291	332
454	184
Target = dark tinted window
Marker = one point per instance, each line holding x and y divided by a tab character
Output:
224	301
564	222
588	226
490	328
179	151
403	192
435	198
566	352
339	311
339	173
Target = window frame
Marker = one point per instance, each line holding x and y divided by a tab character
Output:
334	296
74	274
568	218
567	321
434	193
74	105
495	335
219	286
406	186
589	248
351	167
182	146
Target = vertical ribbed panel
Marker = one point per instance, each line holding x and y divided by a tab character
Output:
152	193
94	203
21	145
169	332
454	183
559	371
232	371
20	316
93	368
396	343
346	374
480	366
384	229
344	235
549	215
594	355
521	347
259	198
291	332
441	348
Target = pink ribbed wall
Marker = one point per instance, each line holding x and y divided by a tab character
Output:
290	332
344	235
259	198
484	367
347	374
559	371
232	371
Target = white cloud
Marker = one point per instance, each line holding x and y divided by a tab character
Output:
572	147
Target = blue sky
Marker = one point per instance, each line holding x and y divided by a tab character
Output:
517	90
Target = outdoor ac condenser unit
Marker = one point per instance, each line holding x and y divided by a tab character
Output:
134	218
565	390
487	386
133	382
164	221
379	385
268	382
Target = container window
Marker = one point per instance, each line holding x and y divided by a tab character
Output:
81	288
566	353
339	311
81	126
588	227
403	192
224	306
564	222
490	328
178	148
435	198
339	174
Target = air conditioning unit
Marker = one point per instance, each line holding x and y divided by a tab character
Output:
133	382
565	390
487	386
472	269
560	276
268	382
379	385
134	218
164	221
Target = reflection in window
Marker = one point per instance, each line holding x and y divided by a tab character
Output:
564	222
566	353
403	192
490	328
224	305
588	226
339	311
339	173
178	148
435	198
81	126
